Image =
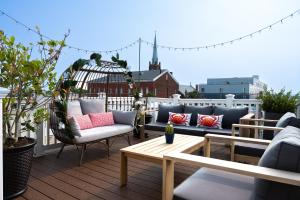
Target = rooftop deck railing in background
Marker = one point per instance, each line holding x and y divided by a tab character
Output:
229	102
46	141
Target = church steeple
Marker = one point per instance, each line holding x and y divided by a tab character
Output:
154	56
154	65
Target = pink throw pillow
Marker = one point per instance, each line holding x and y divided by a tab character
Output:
82	122
102	119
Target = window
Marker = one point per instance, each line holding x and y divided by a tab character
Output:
221	90
155	92
121	90
202	90
147	90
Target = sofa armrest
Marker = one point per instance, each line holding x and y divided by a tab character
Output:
228	139
270	174
255	127
247	117
262	120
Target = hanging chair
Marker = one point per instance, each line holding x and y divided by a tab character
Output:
95	80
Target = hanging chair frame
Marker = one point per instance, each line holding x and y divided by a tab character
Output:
88	78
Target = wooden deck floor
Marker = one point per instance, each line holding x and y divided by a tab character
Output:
98	177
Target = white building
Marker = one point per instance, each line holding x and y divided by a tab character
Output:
241	87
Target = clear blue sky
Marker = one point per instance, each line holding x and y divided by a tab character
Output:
273	55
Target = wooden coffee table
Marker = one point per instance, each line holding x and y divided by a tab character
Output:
154	149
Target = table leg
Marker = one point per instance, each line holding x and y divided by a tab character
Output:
142	133
123	171
168	180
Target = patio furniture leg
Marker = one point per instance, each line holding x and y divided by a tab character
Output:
107	145
123	171
60	151
128	140
83	148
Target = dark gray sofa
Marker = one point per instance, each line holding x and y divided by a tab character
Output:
283	153
231	116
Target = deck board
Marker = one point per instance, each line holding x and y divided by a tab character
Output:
98	177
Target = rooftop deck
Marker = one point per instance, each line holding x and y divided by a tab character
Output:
98	177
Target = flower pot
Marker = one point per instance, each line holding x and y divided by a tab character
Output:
169	138
17	163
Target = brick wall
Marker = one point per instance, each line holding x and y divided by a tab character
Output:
164	87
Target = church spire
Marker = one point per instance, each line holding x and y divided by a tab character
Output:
154	64
154	56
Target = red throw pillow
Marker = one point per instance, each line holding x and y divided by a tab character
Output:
102	119
180	118
81	122
210	121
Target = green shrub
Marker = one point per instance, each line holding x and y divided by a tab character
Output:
279	102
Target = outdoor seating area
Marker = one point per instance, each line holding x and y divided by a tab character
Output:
214	114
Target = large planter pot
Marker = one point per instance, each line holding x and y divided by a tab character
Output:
268	135
169	138
17	163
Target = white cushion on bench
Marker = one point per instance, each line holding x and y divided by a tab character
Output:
102	132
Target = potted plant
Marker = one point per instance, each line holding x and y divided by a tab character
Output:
169	133
276	104
28	81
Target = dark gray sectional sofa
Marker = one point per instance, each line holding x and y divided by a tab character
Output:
283	153
231	116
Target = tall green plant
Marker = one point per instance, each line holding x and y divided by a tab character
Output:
279	102
27	79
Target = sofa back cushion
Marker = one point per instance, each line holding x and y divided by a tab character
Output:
231	115
283	153
284	121
102	119
163	112
92	106
74	109
295	122
124	117
195	110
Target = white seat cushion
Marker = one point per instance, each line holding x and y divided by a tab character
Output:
98	133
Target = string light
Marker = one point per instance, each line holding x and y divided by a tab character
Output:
250	35
2	13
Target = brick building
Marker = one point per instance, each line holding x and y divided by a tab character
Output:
153	82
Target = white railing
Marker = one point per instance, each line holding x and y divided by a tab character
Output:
230	102
46	141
